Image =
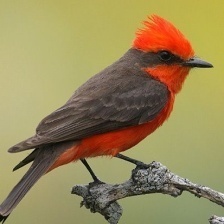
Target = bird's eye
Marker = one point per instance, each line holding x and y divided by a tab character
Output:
165	55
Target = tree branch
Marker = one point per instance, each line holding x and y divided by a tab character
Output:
155	178
216	220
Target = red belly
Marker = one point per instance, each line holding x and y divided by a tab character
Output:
113	142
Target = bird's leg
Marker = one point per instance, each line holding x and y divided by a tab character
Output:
95	178
134	161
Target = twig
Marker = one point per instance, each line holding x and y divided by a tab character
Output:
102	198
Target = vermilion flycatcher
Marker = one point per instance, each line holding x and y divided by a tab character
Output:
114	110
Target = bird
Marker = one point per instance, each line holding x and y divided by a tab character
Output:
112	111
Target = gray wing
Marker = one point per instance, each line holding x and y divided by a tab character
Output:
105	110
120	96
79	119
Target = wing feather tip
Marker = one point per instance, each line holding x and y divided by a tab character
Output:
29	143
13	149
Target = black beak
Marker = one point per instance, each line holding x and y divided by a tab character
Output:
197	62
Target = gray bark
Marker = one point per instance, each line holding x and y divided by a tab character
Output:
154	178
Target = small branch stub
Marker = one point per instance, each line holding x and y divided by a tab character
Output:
153	178
96	199
216	220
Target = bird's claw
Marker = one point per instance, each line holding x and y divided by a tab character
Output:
141	165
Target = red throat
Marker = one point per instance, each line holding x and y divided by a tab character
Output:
173	76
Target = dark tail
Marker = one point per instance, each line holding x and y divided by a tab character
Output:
18	192
3	218
44	159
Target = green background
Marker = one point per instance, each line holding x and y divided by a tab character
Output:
49	48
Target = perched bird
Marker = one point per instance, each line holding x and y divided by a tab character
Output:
114	110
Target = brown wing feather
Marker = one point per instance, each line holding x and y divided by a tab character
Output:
120	96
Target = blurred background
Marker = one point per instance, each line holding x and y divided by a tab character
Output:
49	48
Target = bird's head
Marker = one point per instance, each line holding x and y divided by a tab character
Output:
172	55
